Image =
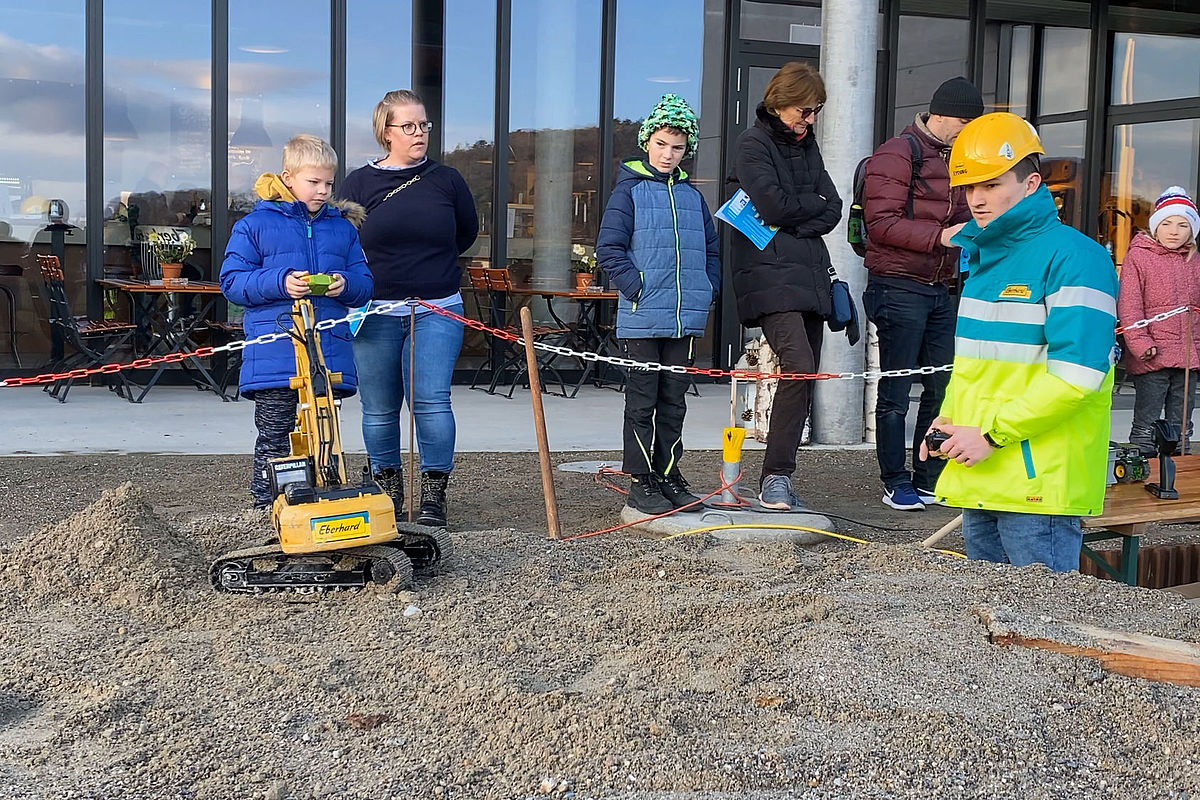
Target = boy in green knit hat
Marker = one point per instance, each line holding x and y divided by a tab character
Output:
659	247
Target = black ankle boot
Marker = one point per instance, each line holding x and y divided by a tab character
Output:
645	495
433	499
391	480
675	488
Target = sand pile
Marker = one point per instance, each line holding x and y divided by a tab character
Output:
116	550
613	667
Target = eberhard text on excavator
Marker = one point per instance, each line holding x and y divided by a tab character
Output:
329	533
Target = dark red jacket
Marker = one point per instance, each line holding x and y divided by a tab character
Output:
899	247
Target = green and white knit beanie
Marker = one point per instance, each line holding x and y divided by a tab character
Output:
672	111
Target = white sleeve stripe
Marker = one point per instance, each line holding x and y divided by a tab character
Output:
1077	374
1001	311
1084	296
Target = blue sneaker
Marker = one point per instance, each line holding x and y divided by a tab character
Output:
778	495
928	497
903	497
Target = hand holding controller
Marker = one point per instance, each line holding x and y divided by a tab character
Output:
934	441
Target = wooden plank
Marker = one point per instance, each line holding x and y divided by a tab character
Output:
1136	655
1130	503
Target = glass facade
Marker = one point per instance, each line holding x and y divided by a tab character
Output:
143	134
157	133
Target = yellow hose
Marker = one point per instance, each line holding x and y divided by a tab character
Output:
781	527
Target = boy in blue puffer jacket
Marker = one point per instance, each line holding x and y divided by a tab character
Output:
659	247
291	233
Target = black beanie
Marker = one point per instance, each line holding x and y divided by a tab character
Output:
957	97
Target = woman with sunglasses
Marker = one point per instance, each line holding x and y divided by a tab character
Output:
420	218
784	288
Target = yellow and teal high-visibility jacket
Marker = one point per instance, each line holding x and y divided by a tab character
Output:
1033	356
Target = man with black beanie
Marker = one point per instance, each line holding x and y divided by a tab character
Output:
911	212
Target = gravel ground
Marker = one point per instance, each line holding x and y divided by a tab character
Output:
611	667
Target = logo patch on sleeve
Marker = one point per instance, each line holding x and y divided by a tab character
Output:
1020	290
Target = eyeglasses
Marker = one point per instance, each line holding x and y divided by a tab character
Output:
806	112
409	128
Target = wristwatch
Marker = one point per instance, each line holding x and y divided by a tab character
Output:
987	437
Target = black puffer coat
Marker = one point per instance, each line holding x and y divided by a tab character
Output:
787	181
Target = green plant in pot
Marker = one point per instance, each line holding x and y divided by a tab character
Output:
171	251
584	265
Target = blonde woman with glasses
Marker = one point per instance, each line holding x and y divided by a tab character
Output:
420	218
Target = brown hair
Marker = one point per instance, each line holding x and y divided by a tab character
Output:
1027	166
383	111
795	84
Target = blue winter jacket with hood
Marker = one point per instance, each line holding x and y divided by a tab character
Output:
658	244
276	238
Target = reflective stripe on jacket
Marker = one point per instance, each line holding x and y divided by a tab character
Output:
1033	358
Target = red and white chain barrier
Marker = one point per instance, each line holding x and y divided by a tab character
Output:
628	363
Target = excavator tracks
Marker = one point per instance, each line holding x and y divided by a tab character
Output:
259	570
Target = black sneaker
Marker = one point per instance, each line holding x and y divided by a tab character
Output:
674	487
391	480
646	496
433	499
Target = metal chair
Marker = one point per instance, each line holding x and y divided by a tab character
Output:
492	288
94	342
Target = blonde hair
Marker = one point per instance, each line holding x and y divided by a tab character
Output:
383	111
306	150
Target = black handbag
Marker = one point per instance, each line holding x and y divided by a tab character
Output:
843	314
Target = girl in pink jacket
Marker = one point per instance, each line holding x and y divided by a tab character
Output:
1161	272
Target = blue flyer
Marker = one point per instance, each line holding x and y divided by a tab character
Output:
739	212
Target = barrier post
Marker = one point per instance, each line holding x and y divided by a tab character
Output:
539	425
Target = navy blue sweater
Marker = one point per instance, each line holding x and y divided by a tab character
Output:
414	239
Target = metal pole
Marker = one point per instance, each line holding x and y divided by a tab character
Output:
1185	447
412	418
849	61
539	425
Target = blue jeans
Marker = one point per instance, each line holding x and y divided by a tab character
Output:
1009	537
381	357
915	330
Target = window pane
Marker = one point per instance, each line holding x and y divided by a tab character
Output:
1147	158
795	23
278	86
1148	68
1066	63
469	105
41	150
1019	70
554	111
379	33
157	130
1062	167
931	50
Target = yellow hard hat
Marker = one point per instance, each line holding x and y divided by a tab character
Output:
990	146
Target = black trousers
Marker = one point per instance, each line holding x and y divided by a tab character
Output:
795	336
275	418
655	405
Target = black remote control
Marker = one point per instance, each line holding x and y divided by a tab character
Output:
934	441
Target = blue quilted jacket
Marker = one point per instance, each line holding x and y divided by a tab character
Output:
660	249
277	238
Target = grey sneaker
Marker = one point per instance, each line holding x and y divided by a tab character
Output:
778	495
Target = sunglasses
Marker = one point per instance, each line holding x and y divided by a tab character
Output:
807	111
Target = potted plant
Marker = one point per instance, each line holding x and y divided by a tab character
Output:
585	266
171	252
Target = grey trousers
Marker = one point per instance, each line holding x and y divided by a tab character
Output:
1159	395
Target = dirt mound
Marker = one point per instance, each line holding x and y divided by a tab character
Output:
116	550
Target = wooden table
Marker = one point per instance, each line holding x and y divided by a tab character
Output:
1129	508
158	316
587	334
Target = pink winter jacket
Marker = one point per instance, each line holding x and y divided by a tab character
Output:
1155	279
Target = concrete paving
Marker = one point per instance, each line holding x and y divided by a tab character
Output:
181	420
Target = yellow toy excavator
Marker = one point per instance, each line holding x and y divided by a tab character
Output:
330	534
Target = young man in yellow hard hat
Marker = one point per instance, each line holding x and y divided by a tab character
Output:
1027	407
